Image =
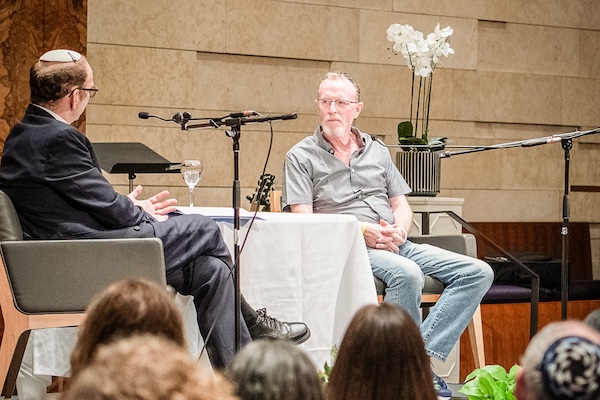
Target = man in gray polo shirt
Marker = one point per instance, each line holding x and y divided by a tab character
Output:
341	170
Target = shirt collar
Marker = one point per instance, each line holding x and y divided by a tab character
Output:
55	115
324	144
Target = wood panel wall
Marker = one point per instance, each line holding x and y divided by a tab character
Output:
29	28
506	330
541	238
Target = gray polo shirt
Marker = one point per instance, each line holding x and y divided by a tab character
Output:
313	175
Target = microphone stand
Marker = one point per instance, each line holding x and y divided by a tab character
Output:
566	140
235	125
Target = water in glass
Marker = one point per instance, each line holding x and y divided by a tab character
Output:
191	170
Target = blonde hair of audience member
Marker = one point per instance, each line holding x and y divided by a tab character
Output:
529	383
382	357
146	367
123	309
274	370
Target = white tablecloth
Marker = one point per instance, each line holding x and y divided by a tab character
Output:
312	268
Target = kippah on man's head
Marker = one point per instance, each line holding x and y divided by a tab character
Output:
571	369
60	55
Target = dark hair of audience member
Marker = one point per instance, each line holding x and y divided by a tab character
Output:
126	308
146	367
382	357
274	370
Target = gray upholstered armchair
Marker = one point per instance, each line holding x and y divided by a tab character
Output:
49	283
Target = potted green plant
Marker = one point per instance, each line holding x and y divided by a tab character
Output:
491	382
419	165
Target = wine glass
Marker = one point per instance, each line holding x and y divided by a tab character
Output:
191	170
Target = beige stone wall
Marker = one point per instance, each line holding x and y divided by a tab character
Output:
522	69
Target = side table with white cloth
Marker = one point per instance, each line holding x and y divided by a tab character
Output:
312	268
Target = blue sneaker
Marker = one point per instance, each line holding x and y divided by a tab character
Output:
443	393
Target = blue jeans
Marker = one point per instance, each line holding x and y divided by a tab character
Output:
466	279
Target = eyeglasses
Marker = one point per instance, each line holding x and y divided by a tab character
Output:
93	90
326	103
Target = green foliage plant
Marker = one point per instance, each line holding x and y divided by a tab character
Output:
491	382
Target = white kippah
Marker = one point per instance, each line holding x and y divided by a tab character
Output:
61	56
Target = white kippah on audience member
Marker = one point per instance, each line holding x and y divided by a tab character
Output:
60	55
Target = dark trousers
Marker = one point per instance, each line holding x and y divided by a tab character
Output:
198	263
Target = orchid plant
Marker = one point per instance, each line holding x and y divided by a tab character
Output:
422	55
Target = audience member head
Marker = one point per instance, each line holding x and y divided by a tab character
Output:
561	362
62	81
274	370
382	357
593	319
146	367
123	309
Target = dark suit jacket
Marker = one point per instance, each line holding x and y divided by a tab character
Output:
51	173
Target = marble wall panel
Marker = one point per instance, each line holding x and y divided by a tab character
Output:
374	44
590	53
179	24
509	205
573	14
271	85
584	207
371	4
583	159
143	76
506	97
580	101
284	29
508	47
534	168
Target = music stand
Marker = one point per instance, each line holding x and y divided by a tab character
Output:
131	158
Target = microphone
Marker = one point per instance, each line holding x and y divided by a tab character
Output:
179	118
537	142
242	114
288	116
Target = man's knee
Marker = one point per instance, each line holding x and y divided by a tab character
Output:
485	272
213	268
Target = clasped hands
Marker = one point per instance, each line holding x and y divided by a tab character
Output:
384	236
155	205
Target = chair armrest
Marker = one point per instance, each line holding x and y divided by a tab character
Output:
462	243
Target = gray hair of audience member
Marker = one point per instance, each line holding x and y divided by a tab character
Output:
561	362
52	80
593	319
146	367
274	370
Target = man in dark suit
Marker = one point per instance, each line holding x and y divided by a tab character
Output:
50	171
